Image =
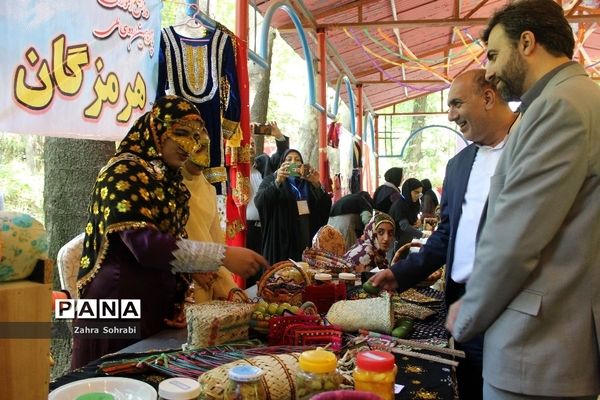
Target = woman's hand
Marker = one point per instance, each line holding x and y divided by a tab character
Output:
243	261
312	176
275	131
178	320
283	172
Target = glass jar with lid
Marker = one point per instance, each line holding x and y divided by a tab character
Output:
245	384
317	372
375	372
348	278
322	279
179	389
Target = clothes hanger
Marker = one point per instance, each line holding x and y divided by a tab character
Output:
197	20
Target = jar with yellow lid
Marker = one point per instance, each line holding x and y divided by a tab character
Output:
317	372
375	372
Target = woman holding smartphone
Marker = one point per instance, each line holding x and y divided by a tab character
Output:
292	206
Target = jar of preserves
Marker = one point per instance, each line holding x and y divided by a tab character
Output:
322	279
348	278
375	372
245	384
317	372
179	389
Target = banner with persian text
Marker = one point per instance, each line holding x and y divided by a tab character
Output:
84	69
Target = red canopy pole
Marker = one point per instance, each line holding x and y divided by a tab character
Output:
376	150
322	97
359	129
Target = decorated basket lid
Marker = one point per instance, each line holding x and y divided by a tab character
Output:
23	241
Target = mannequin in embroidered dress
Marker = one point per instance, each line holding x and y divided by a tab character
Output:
198	63
292	206
135	244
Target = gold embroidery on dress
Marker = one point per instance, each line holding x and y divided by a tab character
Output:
194	67
215	174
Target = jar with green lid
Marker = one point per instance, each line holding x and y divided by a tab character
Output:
375	372
317	372
245	384
179	389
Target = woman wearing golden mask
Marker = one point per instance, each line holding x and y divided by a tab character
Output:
135	244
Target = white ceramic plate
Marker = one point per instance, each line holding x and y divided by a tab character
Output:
119	388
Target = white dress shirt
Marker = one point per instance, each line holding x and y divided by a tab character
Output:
476	195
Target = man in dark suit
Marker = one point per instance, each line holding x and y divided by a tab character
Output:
534	288
485	119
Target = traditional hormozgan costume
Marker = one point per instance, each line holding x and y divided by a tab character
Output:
204	71
135	244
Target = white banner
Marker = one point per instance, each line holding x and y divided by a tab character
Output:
85	69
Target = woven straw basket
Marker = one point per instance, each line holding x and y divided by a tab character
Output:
270	286
217	322
279	379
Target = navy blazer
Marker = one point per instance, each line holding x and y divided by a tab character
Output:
439	249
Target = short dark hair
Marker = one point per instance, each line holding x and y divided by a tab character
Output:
545	18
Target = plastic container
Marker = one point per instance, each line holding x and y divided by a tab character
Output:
317	373
244	384
179	389
375	372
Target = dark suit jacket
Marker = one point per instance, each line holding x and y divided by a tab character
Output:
439	249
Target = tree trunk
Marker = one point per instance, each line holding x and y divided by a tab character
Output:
308	136
70	170
414	147
260	78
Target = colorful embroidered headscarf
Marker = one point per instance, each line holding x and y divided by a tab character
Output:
366	251
136	189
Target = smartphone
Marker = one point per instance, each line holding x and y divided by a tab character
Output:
262	129
293	169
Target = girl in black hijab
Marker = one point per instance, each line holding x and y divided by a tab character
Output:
388	193
405	212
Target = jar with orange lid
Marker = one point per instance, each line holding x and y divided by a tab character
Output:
375	372
317	372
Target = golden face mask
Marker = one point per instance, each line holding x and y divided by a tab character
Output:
192	137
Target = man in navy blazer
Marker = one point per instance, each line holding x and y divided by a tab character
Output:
485	119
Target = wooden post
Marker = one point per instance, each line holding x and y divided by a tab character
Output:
322	96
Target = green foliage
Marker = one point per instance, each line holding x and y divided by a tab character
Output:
22	185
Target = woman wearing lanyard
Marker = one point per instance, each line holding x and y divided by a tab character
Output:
292	206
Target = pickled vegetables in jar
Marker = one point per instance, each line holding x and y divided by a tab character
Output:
375	372
245	384
317	372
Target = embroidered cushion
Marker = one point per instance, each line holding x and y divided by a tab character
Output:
23	241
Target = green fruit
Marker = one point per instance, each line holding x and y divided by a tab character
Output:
281	309
272	309
404	322
369	288
294	309
261	309
404	329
